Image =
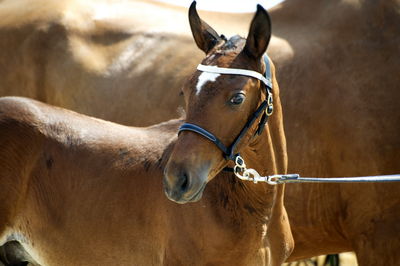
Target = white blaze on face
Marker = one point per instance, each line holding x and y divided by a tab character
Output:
204	78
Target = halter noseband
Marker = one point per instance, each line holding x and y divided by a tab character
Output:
265	109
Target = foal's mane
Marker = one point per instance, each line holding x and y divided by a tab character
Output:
234	42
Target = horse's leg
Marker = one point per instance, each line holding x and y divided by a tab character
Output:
372	223
376	249
371	254
332	260
2	256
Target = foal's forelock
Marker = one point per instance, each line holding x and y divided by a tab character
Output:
234	42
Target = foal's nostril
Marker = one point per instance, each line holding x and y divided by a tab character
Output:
184	182
176	183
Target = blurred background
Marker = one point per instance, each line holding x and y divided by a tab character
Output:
236	6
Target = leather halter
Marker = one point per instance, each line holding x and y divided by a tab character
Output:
265	109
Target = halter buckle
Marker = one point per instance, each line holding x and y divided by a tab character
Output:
270	104
240	168
239	162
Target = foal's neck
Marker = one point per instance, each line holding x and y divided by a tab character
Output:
243	199
260	154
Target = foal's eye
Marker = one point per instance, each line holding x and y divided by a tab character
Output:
237	99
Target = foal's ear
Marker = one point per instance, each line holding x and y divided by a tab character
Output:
205	36
259	34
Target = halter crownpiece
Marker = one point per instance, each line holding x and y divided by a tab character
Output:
236	71
265	109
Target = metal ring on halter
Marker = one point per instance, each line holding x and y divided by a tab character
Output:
270	103
240	162
269	110
270	99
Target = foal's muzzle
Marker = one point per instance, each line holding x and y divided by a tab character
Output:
182	185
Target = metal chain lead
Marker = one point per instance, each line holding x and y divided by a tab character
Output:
240	170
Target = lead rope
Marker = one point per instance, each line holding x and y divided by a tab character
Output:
242	172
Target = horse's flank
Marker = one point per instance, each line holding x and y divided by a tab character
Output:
92	17
340	100
71	53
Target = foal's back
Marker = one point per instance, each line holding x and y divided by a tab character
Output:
65	176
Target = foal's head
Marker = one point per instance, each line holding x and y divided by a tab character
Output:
219	103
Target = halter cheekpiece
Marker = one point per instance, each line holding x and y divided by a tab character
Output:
265	109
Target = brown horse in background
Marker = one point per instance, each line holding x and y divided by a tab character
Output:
78	190
342	118
101	58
